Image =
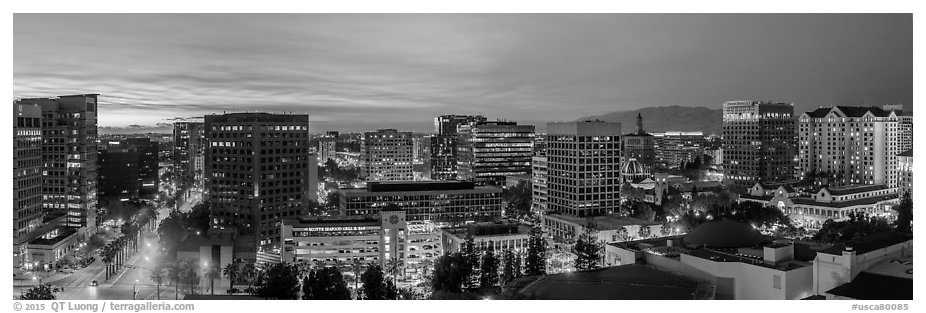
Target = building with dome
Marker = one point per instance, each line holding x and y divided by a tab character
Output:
634	171
744	264
639	145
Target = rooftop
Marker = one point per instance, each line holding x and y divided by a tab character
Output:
850	111
908	153
489	229
870	243
606	222
869	286
63	233
332	221
844	204
724	234
848	190
626	282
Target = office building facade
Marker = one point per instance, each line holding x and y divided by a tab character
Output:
69	157
443	144
189	153
328	147
436	201
387	155
759	142
487	152
583	166
539	184
258	171
675	148
27	178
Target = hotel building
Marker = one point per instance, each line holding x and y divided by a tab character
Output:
387	155
905	172
487	152
258	171
856	145
583	167
758	142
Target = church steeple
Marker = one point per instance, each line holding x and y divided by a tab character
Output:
640	124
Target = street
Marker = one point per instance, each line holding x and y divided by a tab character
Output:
136	274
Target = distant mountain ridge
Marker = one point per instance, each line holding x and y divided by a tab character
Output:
667	118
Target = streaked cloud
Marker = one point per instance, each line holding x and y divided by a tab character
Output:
353	70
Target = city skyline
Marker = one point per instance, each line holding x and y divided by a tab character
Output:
354	72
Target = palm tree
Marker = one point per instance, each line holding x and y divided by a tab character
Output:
231	272
188	273
213	272
394	268
357	266
249	272
157	276
173	274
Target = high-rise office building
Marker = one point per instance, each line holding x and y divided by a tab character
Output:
674	148
487	152
328	147
189	153
387	155
583	165
27	177
69	180
539	184
147	165
127	169
443	146
640	145
759	142
258	171
853	145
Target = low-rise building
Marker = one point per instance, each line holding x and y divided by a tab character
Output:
436	201
628	282
339	241
837	268
610	228
48	248
742	263
495	237
834	203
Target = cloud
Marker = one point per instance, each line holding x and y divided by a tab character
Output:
360	69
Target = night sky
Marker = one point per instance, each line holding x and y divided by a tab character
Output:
356	71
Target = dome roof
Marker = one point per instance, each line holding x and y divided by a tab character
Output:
633	168
723	234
